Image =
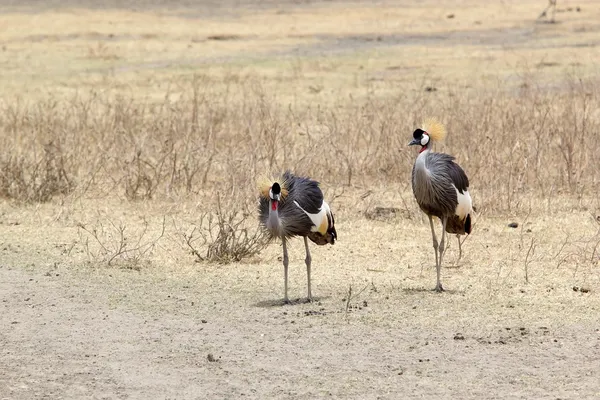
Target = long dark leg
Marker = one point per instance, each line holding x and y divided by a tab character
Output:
308	260
459	249
285	270
435	242
438	286
435	250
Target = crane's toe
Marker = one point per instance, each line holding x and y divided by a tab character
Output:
439	288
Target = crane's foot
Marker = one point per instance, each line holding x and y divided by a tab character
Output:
286	301
439	288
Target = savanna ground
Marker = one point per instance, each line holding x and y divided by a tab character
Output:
131	137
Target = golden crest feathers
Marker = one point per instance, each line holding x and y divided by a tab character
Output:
265	183
435	129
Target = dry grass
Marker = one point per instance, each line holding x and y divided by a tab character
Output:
532	143
531	151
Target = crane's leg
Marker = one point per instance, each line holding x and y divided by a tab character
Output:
308	260
285	270
438	286
435	242
459	248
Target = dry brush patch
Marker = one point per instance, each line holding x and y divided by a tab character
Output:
518	148
226	233
109	241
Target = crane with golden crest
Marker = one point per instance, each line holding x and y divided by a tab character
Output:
441	188
291	206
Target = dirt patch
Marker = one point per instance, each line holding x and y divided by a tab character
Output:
66	336
176	328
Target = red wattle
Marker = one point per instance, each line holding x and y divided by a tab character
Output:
274	205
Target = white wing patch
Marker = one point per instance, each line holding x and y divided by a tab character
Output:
465	205
316	219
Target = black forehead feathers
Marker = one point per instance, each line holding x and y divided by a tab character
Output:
418	133
276	189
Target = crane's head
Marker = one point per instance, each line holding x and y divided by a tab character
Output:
420	137
432	131
273	189
275	192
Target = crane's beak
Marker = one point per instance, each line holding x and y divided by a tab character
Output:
414	142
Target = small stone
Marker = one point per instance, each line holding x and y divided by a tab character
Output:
211	358
204	321
459	336
513	225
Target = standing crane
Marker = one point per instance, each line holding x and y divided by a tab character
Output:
294	206
441	188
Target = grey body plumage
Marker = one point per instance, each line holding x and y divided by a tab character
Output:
294	206
441	189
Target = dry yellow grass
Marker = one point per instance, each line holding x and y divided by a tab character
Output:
122	132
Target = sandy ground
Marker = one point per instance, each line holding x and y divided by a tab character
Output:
179	329
123	335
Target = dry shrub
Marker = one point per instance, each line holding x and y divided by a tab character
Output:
107	241
37	153
226	234
33	179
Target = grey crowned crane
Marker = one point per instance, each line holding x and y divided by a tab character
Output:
294	206
441	188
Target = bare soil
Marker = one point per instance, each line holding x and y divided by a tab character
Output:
179	329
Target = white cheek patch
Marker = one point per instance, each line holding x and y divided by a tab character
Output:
424	140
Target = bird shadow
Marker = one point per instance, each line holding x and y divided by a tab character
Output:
282	303
417	290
